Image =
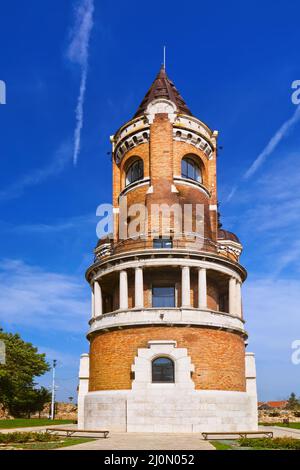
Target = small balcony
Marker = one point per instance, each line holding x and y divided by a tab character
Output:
192	242
164	294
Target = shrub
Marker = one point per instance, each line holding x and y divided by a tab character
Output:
22	437
297	414
268	443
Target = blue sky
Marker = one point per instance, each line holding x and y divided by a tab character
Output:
234	64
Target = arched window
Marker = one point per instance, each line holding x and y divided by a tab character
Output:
190	169
135	172
163	370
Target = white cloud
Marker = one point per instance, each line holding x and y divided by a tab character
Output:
78	53
63	359
31	296
72	223
39	175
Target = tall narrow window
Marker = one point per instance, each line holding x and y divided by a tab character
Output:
190	169
163	296
135	172
163	370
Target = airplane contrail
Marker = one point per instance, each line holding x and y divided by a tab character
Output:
78	53
272	144
269	149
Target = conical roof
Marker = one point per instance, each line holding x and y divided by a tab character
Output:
163	87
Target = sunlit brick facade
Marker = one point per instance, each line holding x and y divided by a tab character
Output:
167	335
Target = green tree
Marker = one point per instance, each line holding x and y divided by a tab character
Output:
32	401
43	396
23	363
293	402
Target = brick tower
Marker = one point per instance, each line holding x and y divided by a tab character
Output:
167	336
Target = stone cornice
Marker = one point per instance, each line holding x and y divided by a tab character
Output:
167	317
167	257
185	128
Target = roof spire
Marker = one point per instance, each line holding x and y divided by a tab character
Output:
163	87
164	57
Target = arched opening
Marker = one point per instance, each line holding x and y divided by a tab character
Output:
163	370
190	169
135	172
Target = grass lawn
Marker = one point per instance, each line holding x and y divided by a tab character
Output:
26	423
263	443
283	425
219	445
64	442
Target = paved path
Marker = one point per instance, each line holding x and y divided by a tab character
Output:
164	441
37	428
146	441
282	432
132	441
152	441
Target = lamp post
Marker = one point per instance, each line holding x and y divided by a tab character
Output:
53	390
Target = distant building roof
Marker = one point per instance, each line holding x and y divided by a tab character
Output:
277	404
272	404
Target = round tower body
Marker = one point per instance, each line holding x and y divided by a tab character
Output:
167	336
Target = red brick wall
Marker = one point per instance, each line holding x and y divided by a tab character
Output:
162	160
218	356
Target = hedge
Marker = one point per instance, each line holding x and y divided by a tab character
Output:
21	437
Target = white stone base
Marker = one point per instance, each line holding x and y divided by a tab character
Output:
168	407
161	410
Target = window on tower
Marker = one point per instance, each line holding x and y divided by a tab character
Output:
163	296
190	169
162	243
135	172
163	370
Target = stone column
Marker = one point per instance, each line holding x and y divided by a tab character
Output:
202	288
92	301
238	299
123	290
98	299
83	389
232	296
185	287
139	288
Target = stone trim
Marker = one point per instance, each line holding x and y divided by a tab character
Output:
137	137
212	261
193	123
142	366
136	132
142	262
167	317
134	185
196	139
190	182
161	105
229	246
